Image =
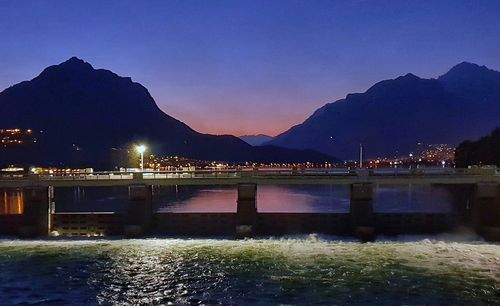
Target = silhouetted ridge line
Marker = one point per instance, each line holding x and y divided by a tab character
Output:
393	115
95	110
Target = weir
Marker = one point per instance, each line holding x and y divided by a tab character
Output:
139	211
246	210
362	217
35	219
486	210
38	219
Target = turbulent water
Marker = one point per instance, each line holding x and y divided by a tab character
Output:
301	270
297	270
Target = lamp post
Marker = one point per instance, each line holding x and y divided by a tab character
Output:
360	155
141	149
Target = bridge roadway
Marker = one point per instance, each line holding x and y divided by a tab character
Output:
387	176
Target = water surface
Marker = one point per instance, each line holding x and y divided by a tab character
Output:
270	198
300	270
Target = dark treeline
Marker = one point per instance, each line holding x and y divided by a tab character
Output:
485	151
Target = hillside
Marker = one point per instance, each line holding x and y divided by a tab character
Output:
85	112
393	115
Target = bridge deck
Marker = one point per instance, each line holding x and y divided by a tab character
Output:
261	177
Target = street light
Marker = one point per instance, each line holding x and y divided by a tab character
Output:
141	149
360	155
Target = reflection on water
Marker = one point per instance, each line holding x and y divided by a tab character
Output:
419	198
285	198
307	270
80	199
296	198
195	199
312	198
11	202
309	198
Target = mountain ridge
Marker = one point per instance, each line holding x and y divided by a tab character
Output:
95	110
391	116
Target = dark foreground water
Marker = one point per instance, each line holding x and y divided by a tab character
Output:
297	271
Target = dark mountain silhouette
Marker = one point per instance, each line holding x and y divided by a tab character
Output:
86	112
255	140
393	115
485	151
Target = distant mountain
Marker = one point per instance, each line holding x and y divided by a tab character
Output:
255	140
485	151
86	112
393	115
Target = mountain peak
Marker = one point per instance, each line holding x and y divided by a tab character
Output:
467	64
409	76
73	66
99	110
76	63
471	81
407	84
466	68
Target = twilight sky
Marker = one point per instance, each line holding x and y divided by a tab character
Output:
247	67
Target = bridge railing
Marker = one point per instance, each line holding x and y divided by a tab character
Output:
191	174
262	172
97	176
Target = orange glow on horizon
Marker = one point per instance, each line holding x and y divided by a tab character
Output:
235	123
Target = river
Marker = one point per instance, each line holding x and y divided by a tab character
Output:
289	270
270	198
448	269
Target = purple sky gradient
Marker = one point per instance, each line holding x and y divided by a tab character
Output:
249	67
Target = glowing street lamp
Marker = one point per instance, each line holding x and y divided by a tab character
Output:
141	149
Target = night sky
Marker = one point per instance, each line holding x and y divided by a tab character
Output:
246	67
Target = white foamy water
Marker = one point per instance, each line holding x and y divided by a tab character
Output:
293	270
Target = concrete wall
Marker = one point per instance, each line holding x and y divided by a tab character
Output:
486	210
9	224
210	224
139	211
35	220
204	224
416	223
299	223
86	224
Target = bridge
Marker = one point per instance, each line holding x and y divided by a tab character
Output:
335	176
40	219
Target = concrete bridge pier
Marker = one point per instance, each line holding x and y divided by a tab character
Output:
486	210
362	217
246	211
35	219
139	211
